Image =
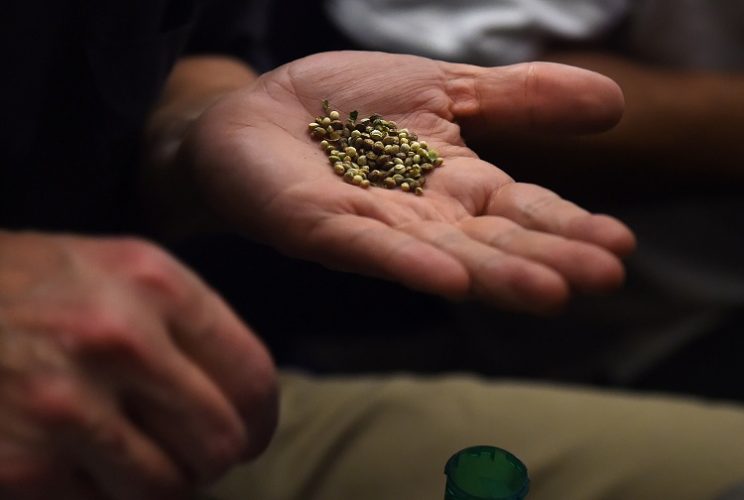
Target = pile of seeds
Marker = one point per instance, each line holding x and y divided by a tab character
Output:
373	151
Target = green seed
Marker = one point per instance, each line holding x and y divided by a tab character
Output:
334	115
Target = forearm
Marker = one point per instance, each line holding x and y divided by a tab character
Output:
169	198
692	120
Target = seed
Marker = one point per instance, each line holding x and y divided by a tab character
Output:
373	151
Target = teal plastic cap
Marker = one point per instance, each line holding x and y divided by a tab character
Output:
485	473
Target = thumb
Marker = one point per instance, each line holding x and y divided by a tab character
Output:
532	97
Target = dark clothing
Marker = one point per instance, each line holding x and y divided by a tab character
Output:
79	78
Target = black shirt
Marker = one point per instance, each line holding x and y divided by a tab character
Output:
78	80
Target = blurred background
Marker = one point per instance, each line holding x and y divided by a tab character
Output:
673	170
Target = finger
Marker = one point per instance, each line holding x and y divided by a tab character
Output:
208	371
83	428
532	97
508	280
233	364
586	267
361	244
539	209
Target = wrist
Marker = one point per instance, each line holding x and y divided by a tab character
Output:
166	182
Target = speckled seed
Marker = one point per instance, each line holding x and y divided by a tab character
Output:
357	180
334	115
405	186
389	182
365	184
438	162
419	191
339	168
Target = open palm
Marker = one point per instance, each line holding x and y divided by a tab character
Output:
475	232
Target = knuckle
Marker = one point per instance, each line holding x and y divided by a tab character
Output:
150	267
54	402
107	330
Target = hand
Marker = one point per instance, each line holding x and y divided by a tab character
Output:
122	377
475	232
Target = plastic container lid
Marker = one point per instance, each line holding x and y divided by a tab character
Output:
485	473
